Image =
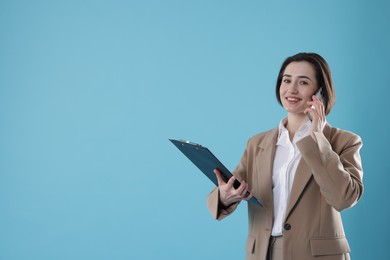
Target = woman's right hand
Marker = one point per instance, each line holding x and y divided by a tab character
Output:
228	194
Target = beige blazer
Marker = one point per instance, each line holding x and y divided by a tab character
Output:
328	180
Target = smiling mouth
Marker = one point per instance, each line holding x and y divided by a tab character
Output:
293	99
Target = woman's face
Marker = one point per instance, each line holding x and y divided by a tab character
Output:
298	86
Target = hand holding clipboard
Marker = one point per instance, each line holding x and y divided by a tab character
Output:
207	163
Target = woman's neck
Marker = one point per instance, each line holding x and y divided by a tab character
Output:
294	123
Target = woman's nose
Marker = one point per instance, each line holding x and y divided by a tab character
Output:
293	88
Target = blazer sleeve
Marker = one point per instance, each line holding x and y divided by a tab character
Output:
215	207
336	166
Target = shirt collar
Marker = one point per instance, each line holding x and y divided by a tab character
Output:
301	133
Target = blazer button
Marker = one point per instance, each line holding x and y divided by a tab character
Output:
287	226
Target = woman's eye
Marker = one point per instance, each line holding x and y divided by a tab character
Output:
303	83
286	81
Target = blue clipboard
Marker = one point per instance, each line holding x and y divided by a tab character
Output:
205	160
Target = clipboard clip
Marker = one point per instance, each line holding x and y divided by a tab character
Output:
189	142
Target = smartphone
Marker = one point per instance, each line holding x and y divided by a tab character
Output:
320	95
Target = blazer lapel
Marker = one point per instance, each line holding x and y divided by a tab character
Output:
302	177
264	165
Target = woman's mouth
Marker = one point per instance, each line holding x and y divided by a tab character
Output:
293	100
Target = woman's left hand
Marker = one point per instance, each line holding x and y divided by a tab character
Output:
317	111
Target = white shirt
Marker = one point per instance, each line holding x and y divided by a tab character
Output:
286	161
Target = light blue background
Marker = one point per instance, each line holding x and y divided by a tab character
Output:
90	92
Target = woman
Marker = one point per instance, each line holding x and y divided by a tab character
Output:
304	172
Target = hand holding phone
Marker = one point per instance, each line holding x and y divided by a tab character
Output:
320	95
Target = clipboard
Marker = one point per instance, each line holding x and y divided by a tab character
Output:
206	161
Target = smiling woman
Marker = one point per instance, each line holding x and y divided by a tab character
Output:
90	91
313	70
298	85
304	172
